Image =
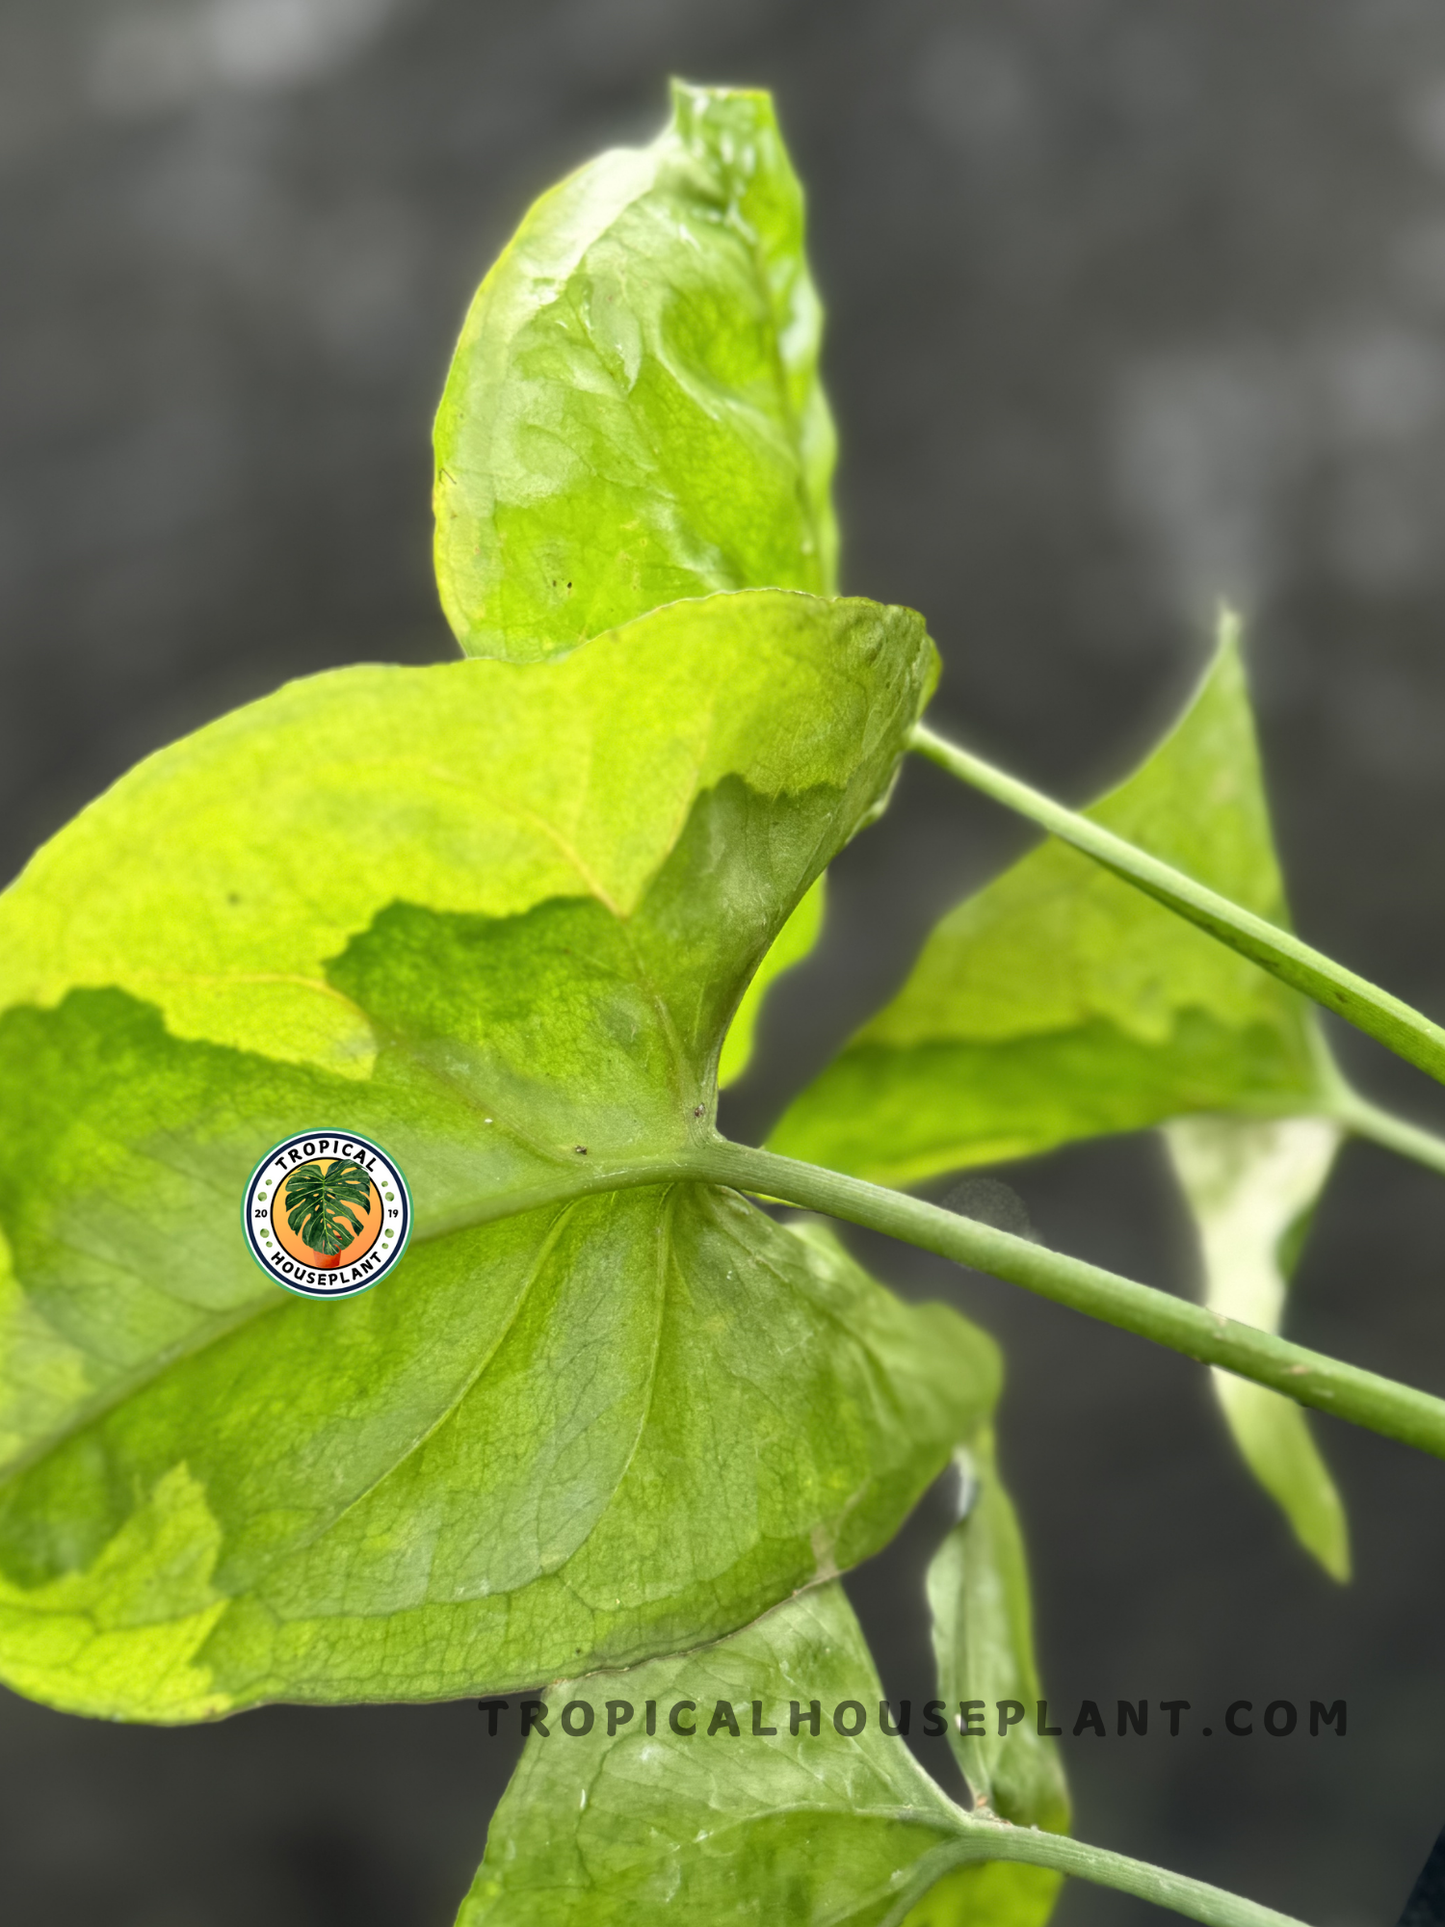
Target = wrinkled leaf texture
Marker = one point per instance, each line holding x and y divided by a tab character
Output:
757	1829
581	1424
634	412
809	1829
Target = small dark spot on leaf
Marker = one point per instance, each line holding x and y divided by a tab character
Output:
580	1149
231	897
697	1110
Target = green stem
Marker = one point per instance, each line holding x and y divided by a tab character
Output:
1303	968
1364	1398
987	1839
1365	1119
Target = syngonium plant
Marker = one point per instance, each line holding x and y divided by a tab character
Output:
610	1414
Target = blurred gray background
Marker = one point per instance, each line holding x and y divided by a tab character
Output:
1132	303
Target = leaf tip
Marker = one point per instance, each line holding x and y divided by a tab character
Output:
1228	629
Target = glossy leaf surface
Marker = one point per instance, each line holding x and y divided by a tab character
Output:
746	1827
578	1423
1059	1003
634	414
1253	1187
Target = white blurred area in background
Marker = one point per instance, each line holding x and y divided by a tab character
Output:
155	57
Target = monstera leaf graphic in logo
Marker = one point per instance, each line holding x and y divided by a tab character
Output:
318	1201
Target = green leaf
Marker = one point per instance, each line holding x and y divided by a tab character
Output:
318	1198
978	1593
1060	1003
754	1828
779	1824
734	1822
795	942
599	1410
634	412
993	1893
1253	1188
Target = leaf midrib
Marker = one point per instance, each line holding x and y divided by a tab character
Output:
634	1174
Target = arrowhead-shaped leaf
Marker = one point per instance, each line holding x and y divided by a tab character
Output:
1253	1187
634	412
749	1826
1060	1003
496	917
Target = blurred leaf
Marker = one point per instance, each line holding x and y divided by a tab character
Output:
641	1828
1060	1003
1253	1189
795	941
634	412
578	1423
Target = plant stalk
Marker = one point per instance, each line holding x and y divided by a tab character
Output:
1364	1398
1372	1010
1367	1120
990	1839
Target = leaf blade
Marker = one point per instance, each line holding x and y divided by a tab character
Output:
1252	1188
533	1030
738	1821
608	1830
794	943
812	1830
978	1594
634	413
1059	1003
